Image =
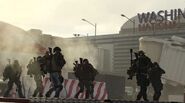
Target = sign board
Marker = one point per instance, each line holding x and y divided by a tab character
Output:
160	20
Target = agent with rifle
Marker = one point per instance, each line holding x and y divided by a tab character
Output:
55	63
86	73
140	67
78	71
13	73
34	69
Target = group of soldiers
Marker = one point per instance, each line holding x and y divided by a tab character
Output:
146	72
52	62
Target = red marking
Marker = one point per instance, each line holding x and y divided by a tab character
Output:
98	91
104	94
77	89
82	95
70	88
65	82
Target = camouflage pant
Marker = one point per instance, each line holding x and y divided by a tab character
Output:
38	80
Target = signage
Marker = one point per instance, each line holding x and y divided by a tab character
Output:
160	20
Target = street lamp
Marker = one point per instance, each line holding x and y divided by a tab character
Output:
133	21
94	25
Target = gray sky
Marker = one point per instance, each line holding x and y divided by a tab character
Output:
63	17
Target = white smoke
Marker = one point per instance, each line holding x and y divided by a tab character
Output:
75	48
16	44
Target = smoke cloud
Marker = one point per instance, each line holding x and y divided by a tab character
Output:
16	44
75	48
23	46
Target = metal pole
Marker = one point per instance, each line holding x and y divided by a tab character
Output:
94	25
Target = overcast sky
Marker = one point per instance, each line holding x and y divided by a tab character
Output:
63	17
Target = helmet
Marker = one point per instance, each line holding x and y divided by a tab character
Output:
86	61
16	61
141	52
156	64
56	49
39	58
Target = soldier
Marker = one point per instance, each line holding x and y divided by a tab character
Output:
86	77
143	64
35	69
78	71
56	63
155	79
90	73
13	73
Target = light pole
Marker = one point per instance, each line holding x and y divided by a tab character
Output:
94	25
133	21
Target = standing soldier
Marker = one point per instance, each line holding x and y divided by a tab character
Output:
79	73
56	63
35	70
13	73
86	78
155	79
90	73
143	64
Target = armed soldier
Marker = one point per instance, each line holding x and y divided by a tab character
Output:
34	69
56	62
13	73
78	71
86	77
155	79
143	64
140	67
